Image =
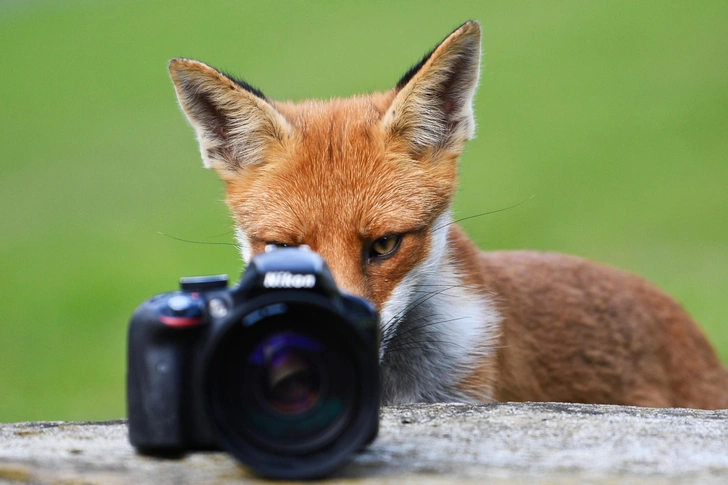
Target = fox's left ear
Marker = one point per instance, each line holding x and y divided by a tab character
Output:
433	107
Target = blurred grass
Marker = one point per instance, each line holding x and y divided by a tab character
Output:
613	114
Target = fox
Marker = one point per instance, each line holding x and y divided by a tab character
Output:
368	182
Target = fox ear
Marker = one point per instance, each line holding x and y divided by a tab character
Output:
433	107
234	122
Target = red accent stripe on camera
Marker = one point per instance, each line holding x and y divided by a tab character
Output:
179	322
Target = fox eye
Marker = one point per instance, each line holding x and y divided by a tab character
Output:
277	245
384	246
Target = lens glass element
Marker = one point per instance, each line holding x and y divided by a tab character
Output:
289	372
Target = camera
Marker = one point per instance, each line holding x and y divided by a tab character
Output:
281	370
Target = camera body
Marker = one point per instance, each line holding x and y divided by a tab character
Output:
281	370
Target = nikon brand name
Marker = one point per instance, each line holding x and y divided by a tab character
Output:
284	279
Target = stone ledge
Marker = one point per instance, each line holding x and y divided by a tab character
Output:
418	444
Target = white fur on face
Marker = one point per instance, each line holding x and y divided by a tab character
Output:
244	244
405	293
435	330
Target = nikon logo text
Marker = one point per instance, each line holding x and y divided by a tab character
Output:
284	279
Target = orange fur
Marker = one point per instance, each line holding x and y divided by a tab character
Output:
525	326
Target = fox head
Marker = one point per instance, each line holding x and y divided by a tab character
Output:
366	181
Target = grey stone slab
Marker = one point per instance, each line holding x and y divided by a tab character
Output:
534	443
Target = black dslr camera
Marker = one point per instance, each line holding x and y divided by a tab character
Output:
282	370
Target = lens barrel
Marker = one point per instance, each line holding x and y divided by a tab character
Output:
291	386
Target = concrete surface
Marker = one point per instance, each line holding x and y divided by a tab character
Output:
534	443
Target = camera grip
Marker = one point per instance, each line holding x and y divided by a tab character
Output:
159	362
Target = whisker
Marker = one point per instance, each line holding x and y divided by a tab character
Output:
432	285
423	299
419	327
397	318
198	242
483	214
387	333
222	234
419	344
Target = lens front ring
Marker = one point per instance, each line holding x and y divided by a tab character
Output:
336	431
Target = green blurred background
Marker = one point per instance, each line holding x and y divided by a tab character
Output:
613	114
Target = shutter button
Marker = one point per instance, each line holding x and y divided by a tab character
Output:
182	311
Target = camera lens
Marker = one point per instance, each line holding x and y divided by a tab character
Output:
286	383
290	384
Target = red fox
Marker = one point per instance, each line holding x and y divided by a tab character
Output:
368	182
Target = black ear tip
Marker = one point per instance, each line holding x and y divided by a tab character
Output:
471	28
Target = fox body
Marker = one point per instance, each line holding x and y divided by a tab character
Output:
368	182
